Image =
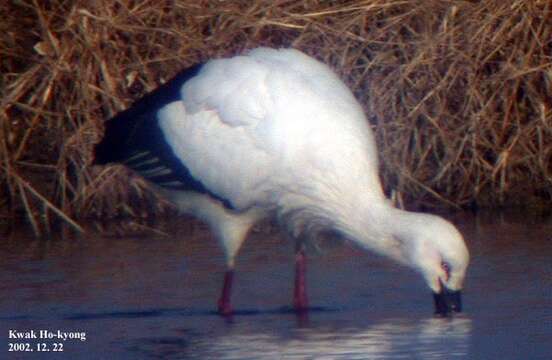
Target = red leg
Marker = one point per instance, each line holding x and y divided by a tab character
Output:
224	306
300	301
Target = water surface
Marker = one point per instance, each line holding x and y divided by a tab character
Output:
154	297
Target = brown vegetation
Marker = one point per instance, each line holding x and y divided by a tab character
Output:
459	92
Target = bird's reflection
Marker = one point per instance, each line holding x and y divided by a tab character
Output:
423	339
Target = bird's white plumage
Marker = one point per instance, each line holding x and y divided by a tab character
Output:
276	131
229	163
275	119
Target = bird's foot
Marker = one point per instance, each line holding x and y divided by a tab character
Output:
224	304
225	308
300	300
300	304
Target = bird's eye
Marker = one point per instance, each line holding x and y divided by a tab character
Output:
446	267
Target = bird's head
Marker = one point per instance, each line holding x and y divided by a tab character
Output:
440	254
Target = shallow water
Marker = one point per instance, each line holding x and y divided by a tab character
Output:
153	297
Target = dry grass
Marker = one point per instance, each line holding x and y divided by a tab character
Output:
460	92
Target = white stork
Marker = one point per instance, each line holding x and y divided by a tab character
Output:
277	133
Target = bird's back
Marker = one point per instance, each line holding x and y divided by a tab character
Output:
245	128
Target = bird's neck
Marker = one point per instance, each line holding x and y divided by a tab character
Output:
378	226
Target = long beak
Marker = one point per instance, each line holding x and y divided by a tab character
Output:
447	301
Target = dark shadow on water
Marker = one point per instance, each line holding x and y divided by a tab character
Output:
115	315
160	348
285	310
15	318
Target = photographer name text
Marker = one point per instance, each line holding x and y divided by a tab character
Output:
47	334
42	340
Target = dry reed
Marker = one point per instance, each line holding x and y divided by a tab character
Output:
459	92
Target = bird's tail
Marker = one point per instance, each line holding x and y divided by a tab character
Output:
124	135
135	130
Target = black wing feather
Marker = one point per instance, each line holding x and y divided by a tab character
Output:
133	137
